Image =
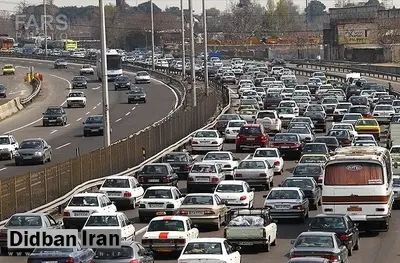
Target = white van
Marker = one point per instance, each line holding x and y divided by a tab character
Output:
358	181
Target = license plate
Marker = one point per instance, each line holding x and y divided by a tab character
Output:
136	98
204	142
156	206
195	213
251	139
49	261
285	147
282	206
203	180
81	214
27	157
52	120
164	249
315	122
246	243
175	167
153	180
114	194
95	130
354	209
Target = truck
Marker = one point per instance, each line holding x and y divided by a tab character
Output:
252	227
393	134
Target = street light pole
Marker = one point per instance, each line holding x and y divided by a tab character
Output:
205	46
153	65
192	55
45	26
104	77
183	42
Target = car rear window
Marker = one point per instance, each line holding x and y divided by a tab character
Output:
250	130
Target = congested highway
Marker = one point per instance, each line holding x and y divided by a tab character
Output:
374	247
125	118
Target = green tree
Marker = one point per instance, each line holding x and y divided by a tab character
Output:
314	11
173	10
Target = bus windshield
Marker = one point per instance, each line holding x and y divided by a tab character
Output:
114	62
348	174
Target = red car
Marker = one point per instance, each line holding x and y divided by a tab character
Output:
251	136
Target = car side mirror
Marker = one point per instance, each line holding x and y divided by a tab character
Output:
225	202
59	223
265	196
195	225
292	242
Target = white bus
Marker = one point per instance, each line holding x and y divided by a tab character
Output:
114	64
358	181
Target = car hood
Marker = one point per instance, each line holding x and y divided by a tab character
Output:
92	125
29	150
142	77
52	115
79	81
76	98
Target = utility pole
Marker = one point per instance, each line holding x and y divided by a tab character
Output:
153	65
192	54
183	42
45	26
205	47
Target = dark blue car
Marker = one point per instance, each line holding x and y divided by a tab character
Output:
61	255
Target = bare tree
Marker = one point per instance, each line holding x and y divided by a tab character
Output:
22	6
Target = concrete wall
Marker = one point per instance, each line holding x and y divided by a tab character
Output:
10	108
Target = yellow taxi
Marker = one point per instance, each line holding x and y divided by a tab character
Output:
313	158
5	50
8	69
368	126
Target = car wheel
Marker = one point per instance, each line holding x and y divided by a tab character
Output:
350	251
133	203
85	134
275	242
218	225
49	159
68	106
238	149
357	245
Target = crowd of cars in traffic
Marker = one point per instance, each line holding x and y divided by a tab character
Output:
277	119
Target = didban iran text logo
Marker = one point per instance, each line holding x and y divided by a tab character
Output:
67	238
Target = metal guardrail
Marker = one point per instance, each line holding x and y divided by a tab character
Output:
35	189
37	87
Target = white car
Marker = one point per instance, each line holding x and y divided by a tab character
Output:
123	190
383	113
362	138
329	104
159	201
76	98
237	70
286	114
207	140
226	159
210	250
366	143
287	93
290	104
169	234
142	77
236	193
248	94
86	70
243	82
81	206
269	119
8	146
396	188
248	115
232	129
345	126
271	155
111	221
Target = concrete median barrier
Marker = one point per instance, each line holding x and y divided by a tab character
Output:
10	108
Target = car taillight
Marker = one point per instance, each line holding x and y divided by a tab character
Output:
194	142
70	260
346	141
209	212
388	135
298	207
215	180
214	142
262	175
344	237
180	241
190	179
320	179
165	180
3	234
239	138
330	257
243	198
182	212
127	194
66	214
263	138
238	175
134	261
297	145
277	163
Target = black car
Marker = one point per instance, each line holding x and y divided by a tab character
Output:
359	100
288	144
331	142
352	91
309	187
272	100
343	136
314	170
122	82
318	118
54	115
181	162
315	148
3	91
136	95
79	82
157	174
342	225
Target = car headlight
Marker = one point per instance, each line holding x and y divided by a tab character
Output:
38	154
59	118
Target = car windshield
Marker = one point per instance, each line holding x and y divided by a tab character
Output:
123	252
307	170
283	194
158	194
102	220
384	108
116	183
53	111
339	133
252	165
370	122
300	100
286	138
8	66
75	94
313	159
169	158
206	134
203	248
330	101
228	117
303	184
248	112
142	74
166	225
343	106
359	100
203	168
327	140
229	188
24	220
314	241
351	117
96	119
31	145
217	156
4	141
265	153
396	182
2	87
136	91
299	130
79	78
84	201
343	126
155	169
265	114
235	124
86	66
285	110
250	130
315	147
274	95
198	200
122	79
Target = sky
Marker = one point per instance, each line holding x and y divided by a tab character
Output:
197	4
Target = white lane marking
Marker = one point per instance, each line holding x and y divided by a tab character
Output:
117	120
133	108
39	63
2	169
67	125
53	131
62	146
172	90
98	104
247	157
87	113
79	119
126	114
96	88
69	85
94	107
21	67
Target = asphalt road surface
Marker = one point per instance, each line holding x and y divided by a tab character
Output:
125	118
15	84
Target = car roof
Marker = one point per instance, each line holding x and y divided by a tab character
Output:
32	139
330	215
88	194
285	188
234	182
161	187
317	233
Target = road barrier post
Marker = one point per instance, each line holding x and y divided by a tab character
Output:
143	153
